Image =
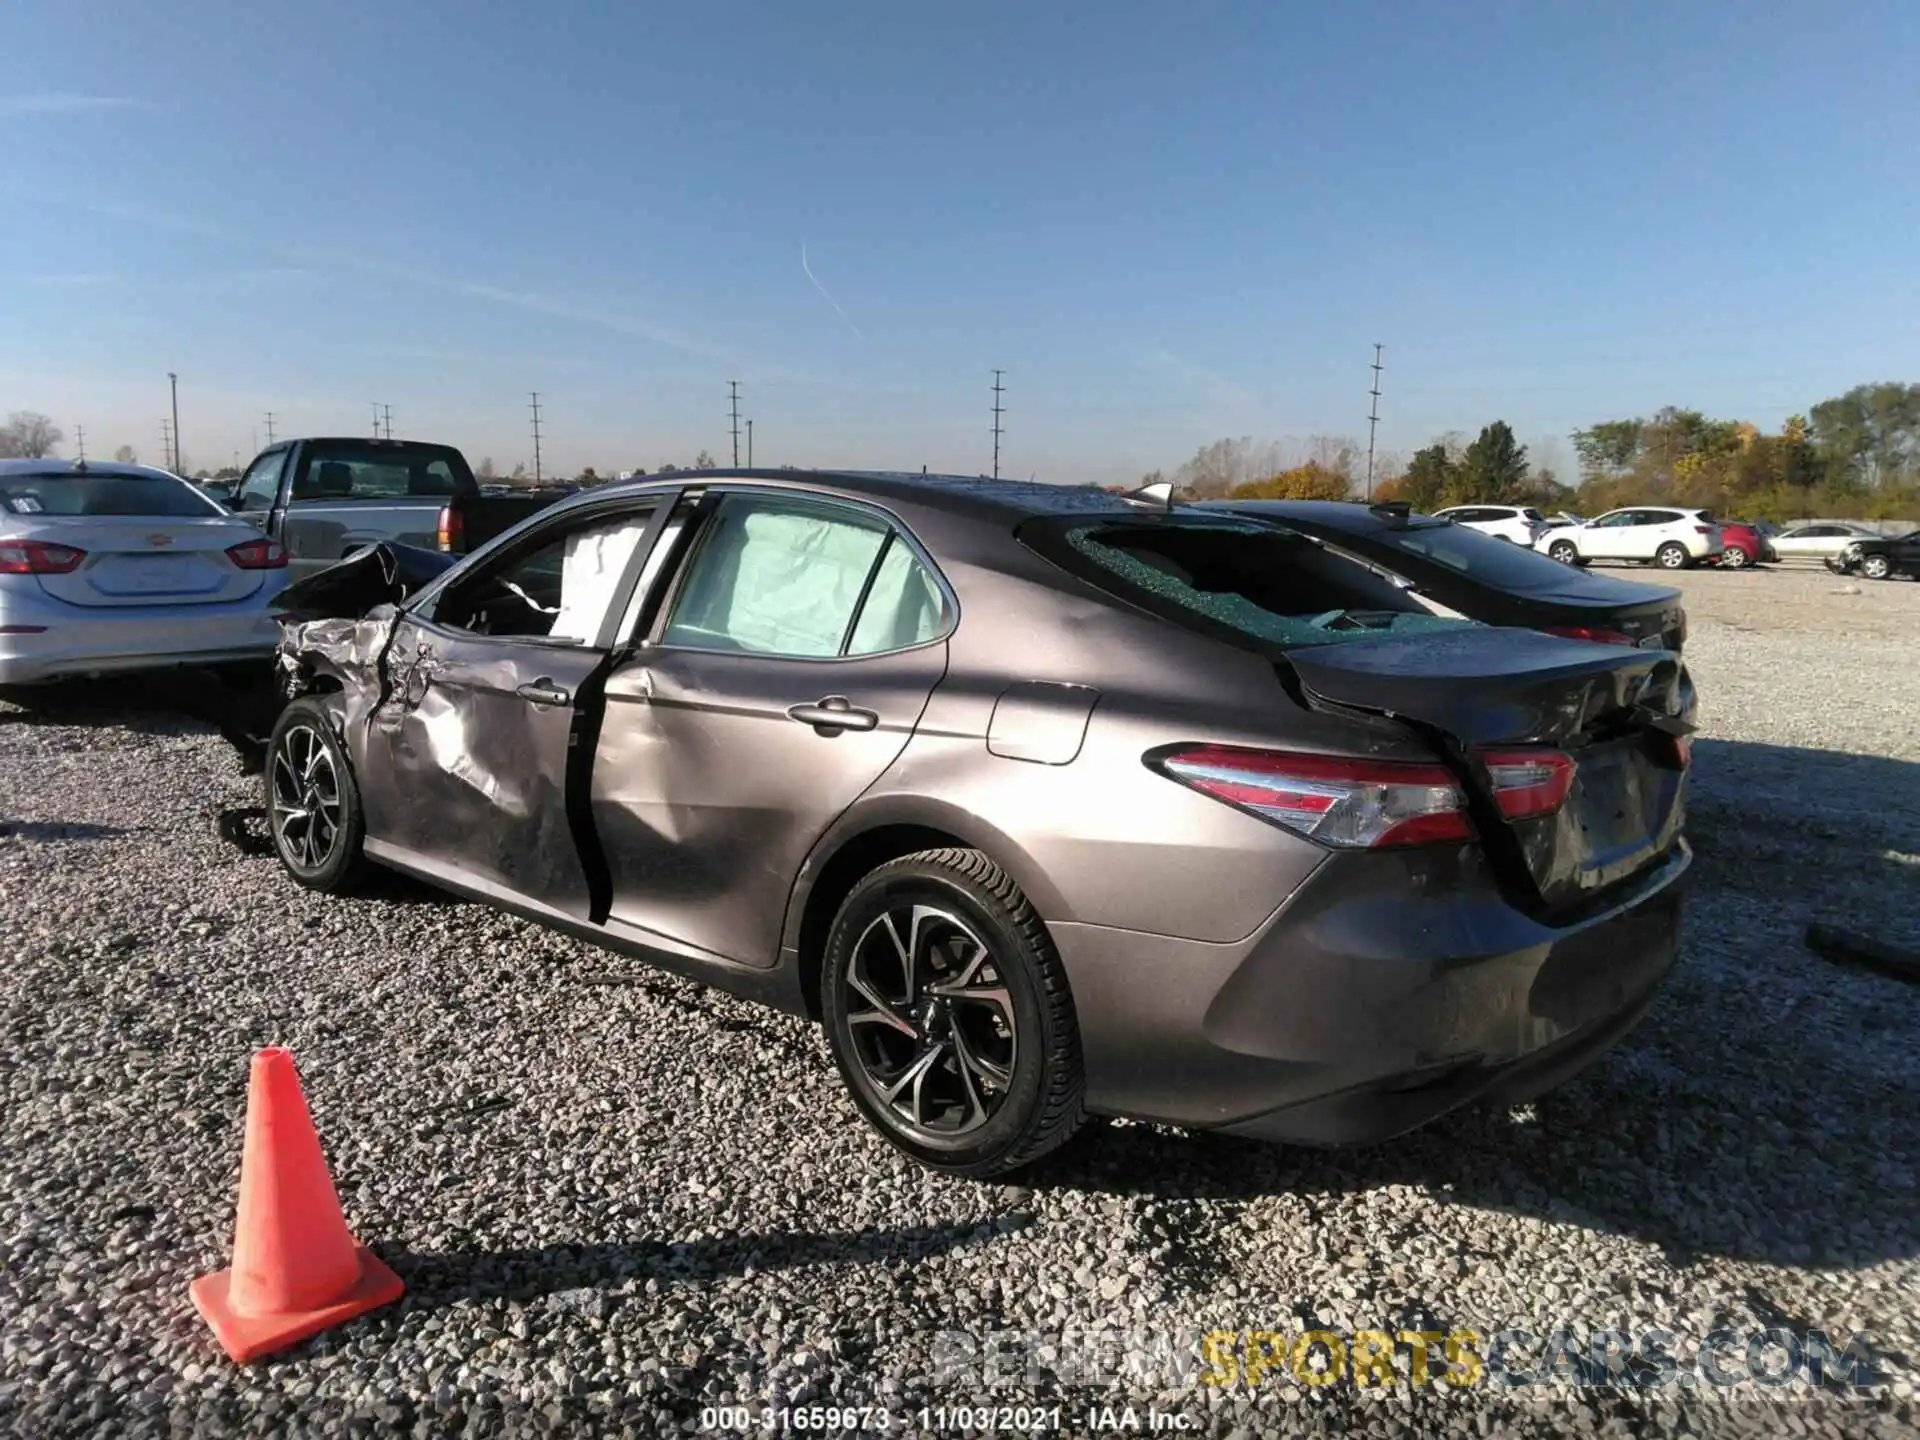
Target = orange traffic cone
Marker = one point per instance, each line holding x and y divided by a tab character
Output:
297	1270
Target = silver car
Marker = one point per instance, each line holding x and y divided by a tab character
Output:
110	568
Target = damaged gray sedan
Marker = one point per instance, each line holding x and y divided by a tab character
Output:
1045	802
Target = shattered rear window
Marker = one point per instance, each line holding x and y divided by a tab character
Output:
1269	584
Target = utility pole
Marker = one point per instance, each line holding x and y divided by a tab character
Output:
1373	420
376	418
733	396
998	411
173	383
389	410
166	445
536	435
749	444
80	441
269	428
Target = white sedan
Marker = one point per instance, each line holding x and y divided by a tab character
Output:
1819	541
110	568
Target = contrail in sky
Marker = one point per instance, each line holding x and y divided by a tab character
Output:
823	290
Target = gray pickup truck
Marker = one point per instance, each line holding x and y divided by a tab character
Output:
323	499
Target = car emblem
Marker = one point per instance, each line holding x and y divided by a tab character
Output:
159	540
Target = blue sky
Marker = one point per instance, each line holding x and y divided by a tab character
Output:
1165	222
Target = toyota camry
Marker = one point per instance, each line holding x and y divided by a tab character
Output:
1045	802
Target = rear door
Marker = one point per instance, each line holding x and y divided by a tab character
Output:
783	673
475	756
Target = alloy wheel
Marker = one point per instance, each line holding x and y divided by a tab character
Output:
1671	557
1563	552
1875	567
932	1021
1734	558
306	798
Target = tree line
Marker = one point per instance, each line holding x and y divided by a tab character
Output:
1855	456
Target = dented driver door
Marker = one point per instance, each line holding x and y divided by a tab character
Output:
473	748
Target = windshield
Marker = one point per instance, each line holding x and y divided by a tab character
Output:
64	492
1254	581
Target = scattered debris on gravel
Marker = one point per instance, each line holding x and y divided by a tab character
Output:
617	1199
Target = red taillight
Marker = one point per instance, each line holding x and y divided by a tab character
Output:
452	529
38	557
1527	783
1703	529
1598	633
1353	804
261	554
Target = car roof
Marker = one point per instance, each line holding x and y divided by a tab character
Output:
54	468
973	496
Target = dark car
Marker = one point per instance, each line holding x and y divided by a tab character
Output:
1484	578
1044	802
1879	557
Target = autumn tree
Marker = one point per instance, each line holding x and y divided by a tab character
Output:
704	461
1870	435
29	435
1303	482
127	455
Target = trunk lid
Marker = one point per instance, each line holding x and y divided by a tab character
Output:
148	561
1622	715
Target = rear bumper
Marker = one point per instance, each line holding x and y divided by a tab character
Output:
70	648
1387	991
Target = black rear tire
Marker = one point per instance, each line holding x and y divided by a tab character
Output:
938	965
313	805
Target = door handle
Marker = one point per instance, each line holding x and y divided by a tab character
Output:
544	692
833	714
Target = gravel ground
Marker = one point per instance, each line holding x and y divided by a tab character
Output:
616	1198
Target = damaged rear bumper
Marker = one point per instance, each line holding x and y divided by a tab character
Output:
1372	1002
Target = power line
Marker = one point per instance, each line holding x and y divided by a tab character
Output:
998	411
536	435
733	396
1373	419
389	412
376	418
269	429
166	445
80	441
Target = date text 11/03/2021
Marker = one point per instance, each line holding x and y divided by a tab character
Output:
937	1419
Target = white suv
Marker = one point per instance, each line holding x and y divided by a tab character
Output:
1518	523
1661	535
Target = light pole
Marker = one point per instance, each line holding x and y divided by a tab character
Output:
173	383
749	444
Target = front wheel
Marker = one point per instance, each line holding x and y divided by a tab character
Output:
950	1017
1734	558
1564	551
1672	556
1876	567
313	804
